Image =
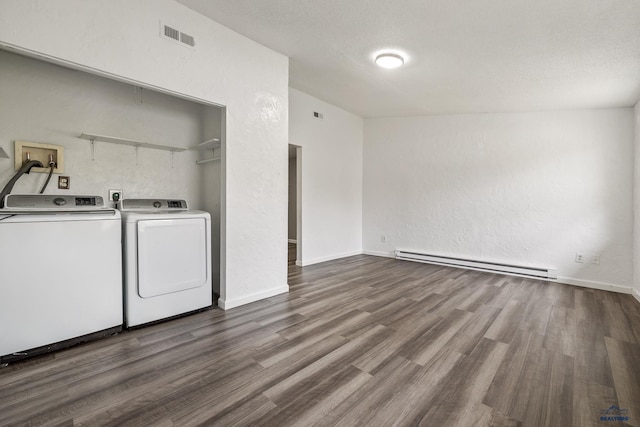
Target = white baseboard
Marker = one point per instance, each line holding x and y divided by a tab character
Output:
305	263
595	285
563	280
226	304
294	241
382	254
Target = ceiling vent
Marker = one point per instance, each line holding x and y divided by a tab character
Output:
171	33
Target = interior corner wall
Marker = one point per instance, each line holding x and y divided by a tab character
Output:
120	38
528	189
636	205
211	176
331	182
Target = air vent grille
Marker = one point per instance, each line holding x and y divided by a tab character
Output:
187	39
172	33
169	32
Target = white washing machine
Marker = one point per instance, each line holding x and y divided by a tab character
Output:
167	259
60	273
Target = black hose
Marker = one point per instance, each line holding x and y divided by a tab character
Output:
26	168
48	178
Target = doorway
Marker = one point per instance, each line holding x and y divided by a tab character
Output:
294	232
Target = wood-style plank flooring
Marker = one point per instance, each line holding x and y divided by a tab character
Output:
358	341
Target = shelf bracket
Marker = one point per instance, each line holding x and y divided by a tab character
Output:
172	153
136	148
93	149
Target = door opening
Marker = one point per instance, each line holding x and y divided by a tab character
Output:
294	206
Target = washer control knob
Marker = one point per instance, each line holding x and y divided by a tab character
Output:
157	204
59	201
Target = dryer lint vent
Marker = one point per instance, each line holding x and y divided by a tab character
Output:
171	33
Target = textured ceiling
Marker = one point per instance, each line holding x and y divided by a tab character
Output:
463	56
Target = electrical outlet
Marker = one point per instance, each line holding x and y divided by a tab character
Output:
115	195
383	238
595	259
64	182
579	257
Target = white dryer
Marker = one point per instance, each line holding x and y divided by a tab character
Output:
167	259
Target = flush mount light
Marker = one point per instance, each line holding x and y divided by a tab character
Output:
389	60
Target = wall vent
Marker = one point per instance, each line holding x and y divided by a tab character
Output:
171	33
493	267
187	39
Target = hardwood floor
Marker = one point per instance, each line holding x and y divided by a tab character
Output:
358	341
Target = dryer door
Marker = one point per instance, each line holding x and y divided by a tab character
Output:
172	256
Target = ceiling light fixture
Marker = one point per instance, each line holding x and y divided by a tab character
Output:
389	60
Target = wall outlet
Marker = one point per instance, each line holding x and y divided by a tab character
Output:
383	238
115	195
64	182
595	259
579	257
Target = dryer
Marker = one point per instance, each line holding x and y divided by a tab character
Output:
166	259
60	273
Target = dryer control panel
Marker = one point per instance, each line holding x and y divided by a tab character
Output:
150	205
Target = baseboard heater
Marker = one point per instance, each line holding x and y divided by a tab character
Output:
493	267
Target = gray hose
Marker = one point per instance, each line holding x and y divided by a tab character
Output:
26	168
48	178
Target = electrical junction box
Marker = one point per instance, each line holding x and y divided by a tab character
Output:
41	152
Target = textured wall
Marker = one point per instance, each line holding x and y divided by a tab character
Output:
120	38
331	178
529	189
55	105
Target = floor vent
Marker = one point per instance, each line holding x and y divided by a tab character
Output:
171	33
493	267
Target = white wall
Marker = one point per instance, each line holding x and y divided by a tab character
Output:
636	205
529	189
224	68
54	105
331	178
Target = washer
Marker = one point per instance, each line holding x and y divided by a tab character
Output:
167	259
60	273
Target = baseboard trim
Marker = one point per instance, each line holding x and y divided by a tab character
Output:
305	263
227	304
381	254
595	285
294	241
563	280
560	279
